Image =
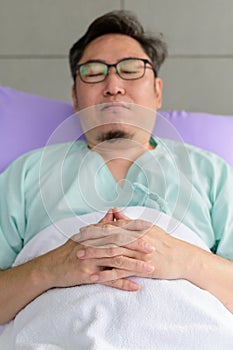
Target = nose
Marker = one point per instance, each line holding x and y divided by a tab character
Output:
114	85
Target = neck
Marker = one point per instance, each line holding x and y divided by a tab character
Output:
120	154
120	149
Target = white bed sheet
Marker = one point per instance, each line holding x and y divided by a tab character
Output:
162	315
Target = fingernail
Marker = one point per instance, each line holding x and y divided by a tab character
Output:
94	278
145	224
149	248
150	268
81	253
135	287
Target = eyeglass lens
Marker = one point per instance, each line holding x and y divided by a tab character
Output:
128	69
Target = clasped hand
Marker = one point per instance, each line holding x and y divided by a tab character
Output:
117	248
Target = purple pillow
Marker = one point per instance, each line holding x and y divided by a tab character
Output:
27	121
208	131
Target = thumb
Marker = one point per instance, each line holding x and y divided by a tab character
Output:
118	215
109	216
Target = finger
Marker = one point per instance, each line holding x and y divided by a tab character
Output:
116	274
123	284
133	225
119	263
116	238
118	215
95	231
98	253
109	275
141	245
90	251
109	216
125	231
117	228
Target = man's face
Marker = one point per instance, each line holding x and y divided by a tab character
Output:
111	48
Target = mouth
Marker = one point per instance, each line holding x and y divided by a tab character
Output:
114	106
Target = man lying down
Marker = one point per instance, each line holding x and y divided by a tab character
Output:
79	273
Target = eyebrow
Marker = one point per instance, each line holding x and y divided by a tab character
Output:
103	61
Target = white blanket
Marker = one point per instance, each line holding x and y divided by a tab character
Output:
162	315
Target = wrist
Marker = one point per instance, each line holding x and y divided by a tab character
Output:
40	274
202	269
197	265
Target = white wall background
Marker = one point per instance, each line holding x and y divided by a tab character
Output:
35	37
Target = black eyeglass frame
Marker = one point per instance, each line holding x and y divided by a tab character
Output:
144	60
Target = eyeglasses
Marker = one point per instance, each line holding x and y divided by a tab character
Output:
93	72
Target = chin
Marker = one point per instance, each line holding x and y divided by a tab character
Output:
114	134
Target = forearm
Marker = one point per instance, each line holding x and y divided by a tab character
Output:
19	286
176	259
214	274
61	267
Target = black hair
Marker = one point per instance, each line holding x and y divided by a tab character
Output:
120	22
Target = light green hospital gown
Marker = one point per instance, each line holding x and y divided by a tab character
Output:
60	181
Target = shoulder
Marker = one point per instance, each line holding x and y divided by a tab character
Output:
30	166
199	159
52	153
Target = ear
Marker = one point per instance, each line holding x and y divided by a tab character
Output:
158	92
75	98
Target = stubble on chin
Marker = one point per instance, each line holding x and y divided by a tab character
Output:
114	135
